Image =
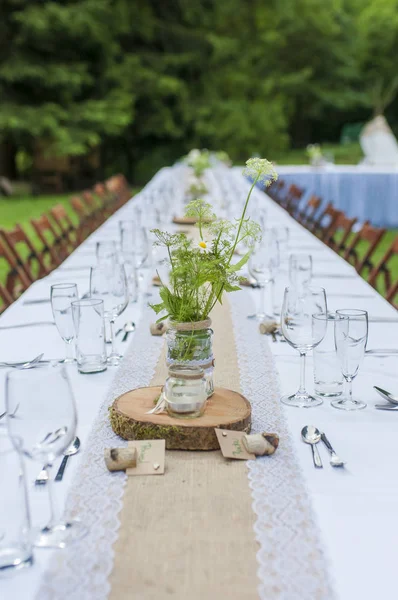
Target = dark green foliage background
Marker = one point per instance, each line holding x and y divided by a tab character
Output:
149	79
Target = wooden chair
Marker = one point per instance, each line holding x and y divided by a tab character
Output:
293	198
307	215
342	226
6	298
72	235
17	279
119	187
381	275
86	224
275	190
362	247
53	245
25	254
325	221
97	212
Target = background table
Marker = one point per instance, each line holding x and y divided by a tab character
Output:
356	508
361	191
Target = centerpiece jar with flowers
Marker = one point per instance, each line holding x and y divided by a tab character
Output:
201	271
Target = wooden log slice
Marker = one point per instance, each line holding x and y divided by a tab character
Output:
225	410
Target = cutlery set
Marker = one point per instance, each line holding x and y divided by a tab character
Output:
311	435
73	449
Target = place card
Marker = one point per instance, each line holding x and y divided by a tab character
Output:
150	459
231	444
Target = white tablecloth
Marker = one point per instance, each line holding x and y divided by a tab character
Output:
356	507
361	191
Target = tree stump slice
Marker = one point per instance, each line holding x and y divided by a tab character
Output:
225	410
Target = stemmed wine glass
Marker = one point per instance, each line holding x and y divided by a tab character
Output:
263	263
303	332
350	336
108	282
134	241
300	270
62	296
41	420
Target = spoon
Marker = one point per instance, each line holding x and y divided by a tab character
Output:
386	395
311	435
73	449
335	461
128	327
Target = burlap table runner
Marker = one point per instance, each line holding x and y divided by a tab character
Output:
189	533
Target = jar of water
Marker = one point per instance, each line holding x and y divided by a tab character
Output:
328	378
185	391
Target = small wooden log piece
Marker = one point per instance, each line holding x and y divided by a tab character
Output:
267	327
261	444
158	328
120	459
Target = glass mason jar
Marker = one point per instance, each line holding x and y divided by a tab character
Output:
191	344
185	392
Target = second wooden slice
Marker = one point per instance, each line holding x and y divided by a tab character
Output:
225	410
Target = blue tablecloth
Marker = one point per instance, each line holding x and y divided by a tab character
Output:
363	192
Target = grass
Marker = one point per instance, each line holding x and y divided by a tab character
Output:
343	154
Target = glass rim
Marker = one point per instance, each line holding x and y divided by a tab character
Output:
312	288
63	286
327	316
346	313
87	302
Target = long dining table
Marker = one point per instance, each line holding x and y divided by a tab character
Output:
354	509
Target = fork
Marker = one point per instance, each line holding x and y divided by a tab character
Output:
23	365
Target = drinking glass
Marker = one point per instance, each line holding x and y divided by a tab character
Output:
134	240
281	276
62	296
282	237
41	419
263	263
88	319
351	335
109	283
303	333
328	380
106	251
300	270
15	538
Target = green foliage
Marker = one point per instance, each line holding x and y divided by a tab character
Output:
149	80
201	271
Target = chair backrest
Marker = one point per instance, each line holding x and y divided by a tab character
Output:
293	197
6	298
324	220
381	276
362	247
52	241
17	279
26	255
70	233
307	216
339	233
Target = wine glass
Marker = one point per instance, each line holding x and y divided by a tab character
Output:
109	283
263	263
106	251
300	270
281	276
282	237
134	241
303	332
62	296
350	336
41	420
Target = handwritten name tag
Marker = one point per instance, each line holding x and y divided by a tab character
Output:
150	457
231	444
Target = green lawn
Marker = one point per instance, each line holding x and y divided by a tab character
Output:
347	154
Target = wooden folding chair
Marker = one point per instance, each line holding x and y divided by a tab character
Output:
275	190
362	247
17	279
86	224
307	215
292	199
6	298
381	275
71	234
339	232
25	254
325	221
96	212
53	245
118	185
